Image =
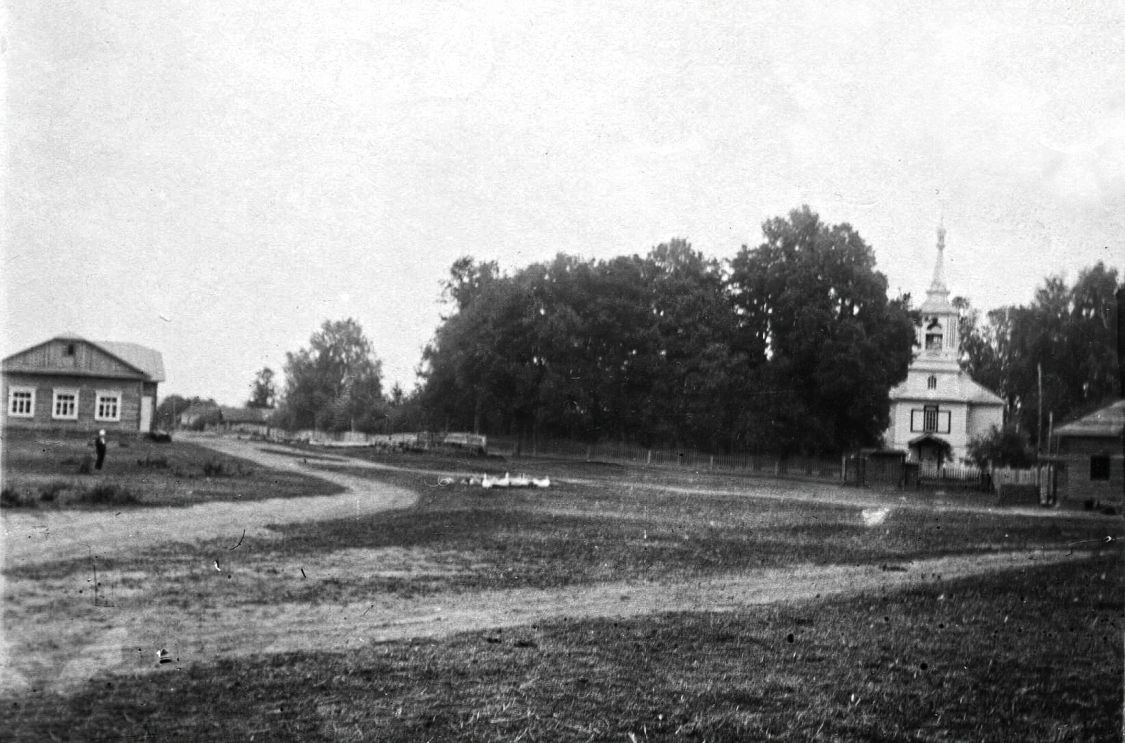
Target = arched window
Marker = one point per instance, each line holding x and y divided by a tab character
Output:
931	383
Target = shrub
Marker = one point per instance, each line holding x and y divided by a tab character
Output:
11	498
51	490
1002	447
219	468
107	494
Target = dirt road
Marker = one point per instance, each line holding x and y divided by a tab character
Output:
61	652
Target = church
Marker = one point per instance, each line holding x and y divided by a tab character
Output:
939	408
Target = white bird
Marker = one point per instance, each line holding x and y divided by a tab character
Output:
874	516
503	482
520	481
541	482
486	482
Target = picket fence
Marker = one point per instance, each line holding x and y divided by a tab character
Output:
964	473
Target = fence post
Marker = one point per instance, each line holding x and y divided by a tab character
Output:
648	457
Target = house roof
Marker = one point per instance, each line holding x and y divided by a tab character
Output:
245	415
1108	421
958	387
146	359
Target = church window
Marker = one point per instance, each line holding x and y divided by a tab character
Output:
931	383
929	418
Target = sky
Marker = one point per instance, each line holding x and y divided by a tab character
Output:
216	179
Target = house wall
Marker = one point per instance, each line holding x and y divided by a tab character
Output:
88	387
1076	452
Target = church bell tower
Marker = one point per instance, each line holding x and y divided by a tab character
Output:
938	335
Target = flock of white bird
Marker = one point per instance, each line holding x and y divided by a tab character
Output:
507	481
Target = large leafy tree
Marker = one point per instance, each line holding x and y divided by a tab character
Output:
336	383
831	344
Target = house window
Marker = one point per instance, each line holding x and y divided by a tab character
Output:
1099	467
931	383
69	349
107	406
65	405
929	418
21	402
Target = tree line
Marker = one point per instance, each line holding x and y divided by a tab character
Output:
1056	354
790	347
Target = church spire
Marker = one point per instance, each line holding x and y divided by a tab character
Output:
937	296
937	285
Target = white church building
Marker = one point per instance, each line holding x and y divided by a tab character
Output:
939	403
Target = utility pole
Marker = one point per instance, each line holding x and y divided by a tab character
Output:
1039	435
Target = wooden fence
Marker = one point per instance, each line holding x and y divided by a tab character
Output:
623	453
969	474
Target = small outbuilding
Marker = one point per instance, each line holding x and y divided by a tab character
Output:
69	382
1088	460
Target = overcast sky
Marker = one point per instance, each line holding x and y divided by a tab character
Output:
216	179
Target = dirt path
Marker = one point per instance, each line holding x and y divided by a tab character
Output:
60	652
38	536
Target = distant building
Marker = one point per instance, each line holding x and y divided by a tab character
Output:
72	383
1089	460
939	407
246	420
199	414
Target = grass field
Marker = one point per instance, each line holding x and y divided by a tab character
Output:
1030	654
54	470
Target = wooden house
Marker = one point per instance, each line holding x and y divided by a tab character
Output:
72	383
1088	456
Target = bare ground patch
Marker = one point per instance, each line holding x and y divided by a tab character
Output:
123	635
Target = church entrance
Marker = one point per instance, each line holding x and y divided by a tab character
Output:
931	448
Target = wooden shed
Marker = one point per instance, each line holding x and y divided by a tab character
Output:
69	382
1088	458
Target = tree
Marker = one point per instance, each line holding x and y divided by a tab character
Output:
1001	447
829	345
263	390
336	383
171	407
1064	335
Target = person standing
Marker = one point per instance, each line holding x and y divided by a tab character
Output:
99	447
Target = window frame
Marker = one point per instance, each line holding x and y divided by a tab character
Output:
100	395
12	392
60	392
1105	465
931	382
